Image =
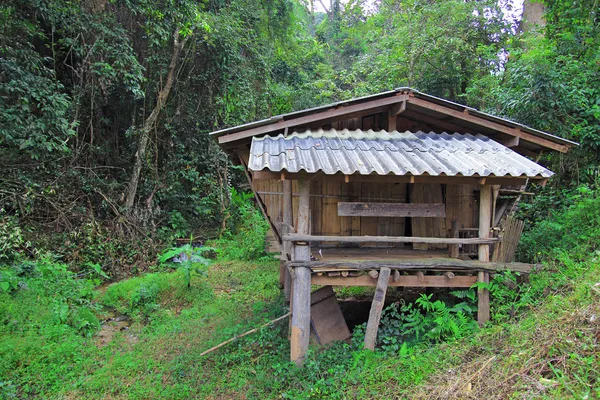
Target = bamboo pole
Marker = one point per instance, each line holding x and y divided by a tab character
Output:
243	334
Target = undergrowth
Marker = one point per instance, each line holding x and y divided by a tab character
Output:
542	340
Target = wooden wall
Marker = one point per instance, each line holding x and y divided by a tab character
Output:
459	200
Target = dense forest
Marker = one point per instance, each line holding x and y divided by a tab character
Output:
106	159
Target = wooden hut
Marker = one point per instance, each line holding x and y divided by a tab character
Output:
395	189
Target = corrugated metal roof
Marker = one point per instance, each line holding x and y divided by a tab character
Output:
359	152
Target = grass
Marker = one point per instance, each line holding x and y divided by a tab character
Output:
543	341
551	351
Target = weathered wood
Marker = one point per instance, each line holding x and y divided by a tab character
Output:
321	294
414	264
504	251
453	249
376	308
485	216
374	274
428	227
327	319
358	209
300	331
335	112
465	116
288	222
404	281
483	299
386	239
425	179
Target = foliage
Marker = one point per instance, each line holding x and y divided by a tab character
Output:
404	325
574	230
245	237
12	242
189	259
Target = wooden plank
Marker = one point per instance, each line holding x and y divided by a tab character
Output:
321	294
331	114
391	209
399	193
404	281
300	330
425	179
485	217
296	237
414	264
488	124
428	227
426	119
376	308
327	319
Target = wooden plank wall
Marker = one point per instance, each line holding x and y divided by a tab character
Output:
460	203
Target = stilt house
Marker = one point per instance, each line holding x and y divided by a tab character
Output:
395	189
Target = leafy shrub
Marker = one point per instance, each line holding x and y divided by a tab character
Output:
576	230
246	230
404	325
189	259
11	238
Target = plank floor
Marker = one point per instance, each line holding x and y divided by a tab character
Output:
374	254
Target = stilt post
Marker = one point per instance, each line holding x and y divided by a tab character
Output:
300	333
288	222
376	308
485	217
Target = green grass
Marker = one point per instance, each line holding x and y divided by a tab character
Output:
552	348
543	340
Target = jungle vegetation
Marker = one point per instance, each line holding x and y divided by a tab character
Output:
105	160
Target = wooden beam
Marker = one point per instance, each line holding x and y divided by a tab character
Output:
513	141
489	124
376	308
374	178
438	264
296	237
453	249
334	112
485	216
428	120
300	331
357	209
288	223
403	281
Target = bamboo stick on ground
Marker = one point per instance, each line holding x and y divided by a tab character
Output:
244	334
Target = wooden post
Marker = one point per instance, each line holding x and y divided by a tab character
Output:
300	334
453	249
376	307
485	217
288	222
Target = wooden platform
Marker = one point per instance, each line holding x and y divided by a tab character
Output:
374	254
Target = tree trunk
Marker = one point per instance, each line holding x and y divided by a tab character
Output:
144	138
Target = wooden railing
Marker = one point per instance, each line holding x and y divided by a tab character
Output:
296	237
